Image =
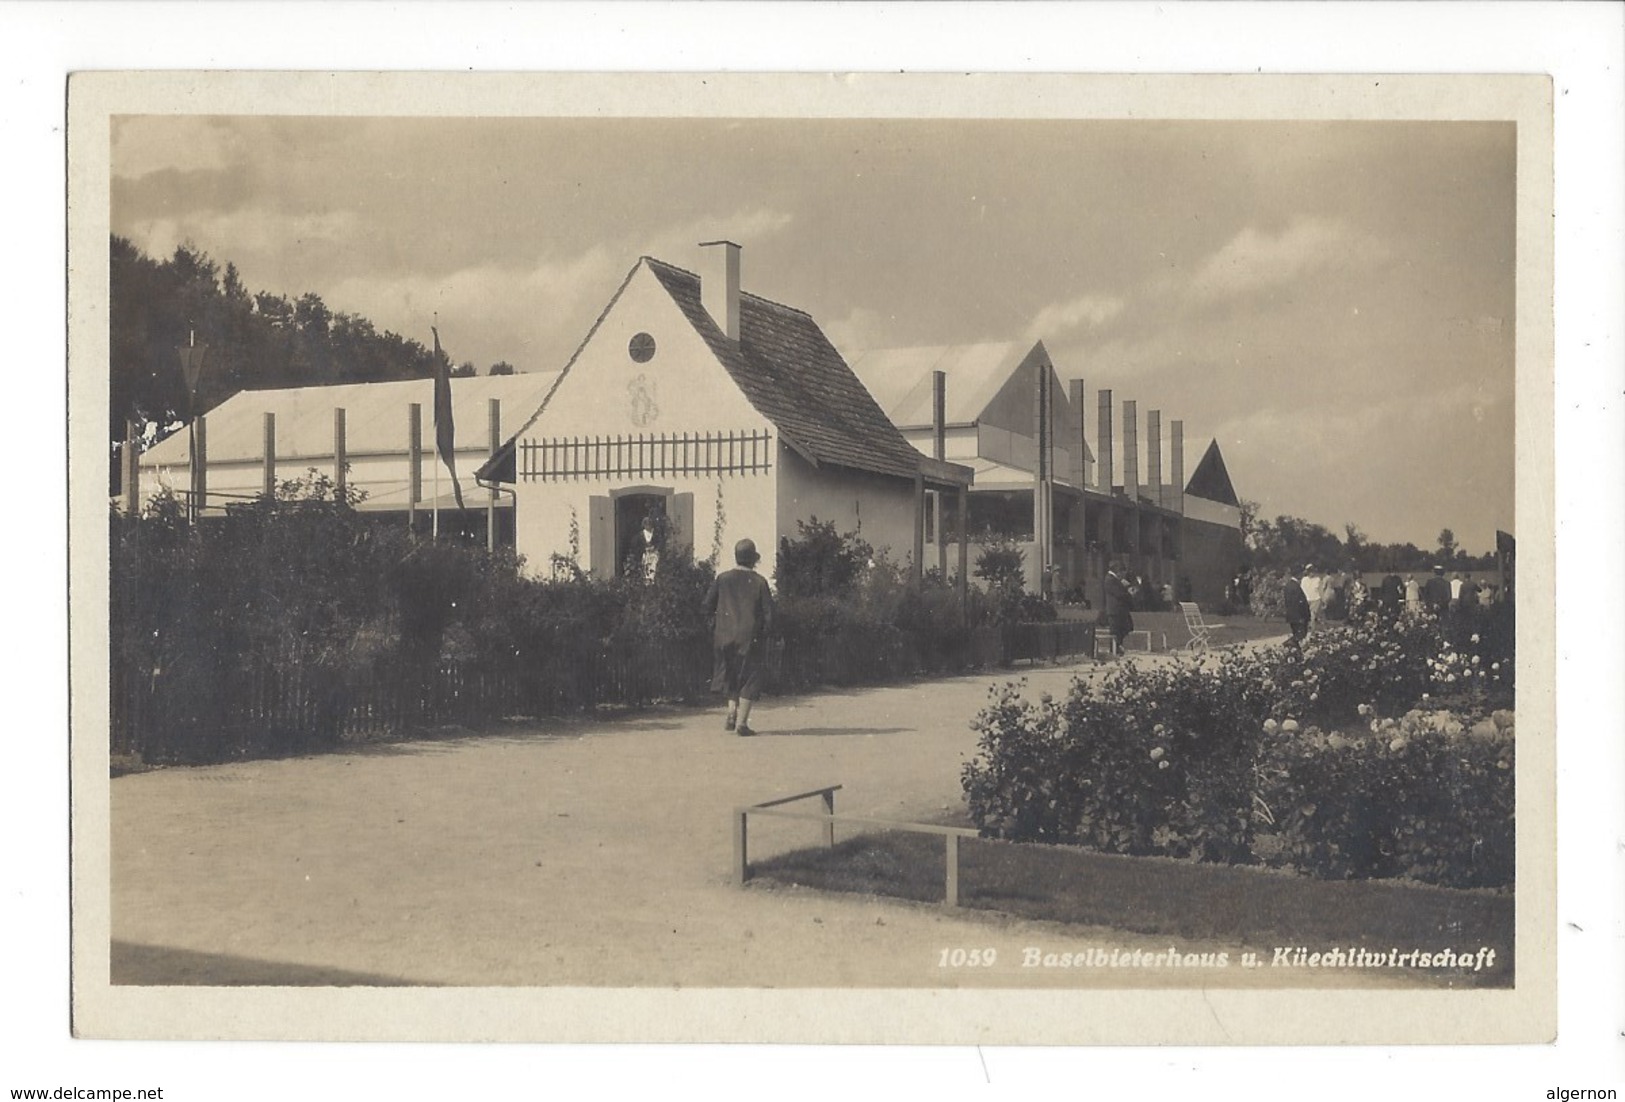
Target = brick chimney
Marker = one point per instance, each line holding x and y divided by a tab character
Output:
719	285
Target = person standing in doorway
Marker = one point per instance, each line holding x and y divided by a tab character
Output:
743	606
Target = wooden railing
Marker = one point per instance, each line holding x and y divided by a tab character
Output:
645	455
773	809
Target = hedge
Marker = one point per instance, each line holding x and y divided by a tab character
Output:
1316	760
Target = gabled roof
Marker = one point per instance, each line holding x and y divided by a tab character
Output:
375	417
978	379
900	378
788	370
1211	480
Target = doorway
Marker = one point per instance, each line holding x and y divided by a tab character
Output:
633	557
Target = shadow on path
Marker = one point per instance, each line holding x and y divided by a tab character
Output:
156	966
796	732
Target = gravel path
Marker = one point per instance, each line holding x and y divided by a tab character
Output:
583	853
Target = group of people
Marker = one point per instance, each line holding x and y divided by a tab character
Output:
1307	595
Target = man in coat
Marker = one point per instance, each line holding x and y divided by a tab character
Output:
1436	593
1117	614
1296	605
743	606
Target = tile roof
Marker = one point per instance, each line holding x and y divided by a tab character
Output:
788	370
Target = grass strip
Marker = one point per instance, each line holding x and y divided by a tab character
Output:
1257	908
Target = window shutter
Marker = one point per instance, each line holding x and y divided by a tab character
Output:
601	536
682	524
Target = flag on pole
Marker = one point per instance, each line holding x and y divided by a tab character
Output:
444	436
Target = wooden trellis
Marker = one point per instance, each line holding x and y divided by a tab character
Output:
646	455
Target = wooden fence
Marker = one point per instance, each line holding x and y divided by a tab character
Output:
289	702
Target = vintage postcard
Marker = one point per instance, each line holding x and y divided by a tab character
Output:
814	558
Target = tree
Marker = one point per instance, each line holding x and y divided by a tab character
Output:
1447	544
1354	543
465	370
501	367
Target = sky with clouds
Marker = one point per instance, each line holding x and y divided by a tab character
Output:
1332	302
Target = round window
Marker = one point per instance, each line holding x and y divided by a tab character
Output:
641	349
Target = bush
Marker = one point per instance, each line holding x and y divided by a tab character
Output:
820	561
1214	762
1428	796
1002	564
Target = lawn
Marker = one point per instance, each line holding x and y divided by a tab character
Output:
1261	909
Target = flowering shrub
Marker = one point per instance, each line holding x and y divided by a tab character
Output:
1384	663
1427	796
1241	760
1156	761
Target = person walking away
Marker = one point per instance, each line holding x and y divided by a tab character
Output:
1472	596
1436	593
1314	589
1393	593
1296	603
1455	592
1118	618
743	606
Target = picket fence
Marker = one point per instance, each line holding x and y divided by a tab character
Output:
288	703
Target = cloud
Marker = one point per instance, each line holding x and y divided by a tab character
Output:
245	234
144	144
1255	260
1062	318
531	316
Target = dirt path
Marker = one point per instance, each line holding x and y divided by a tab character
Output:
570	853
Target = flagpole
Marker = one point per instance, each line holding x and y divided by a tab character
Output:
434	527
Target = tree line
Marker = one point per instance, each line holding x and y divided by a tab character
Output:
1272	545
250	340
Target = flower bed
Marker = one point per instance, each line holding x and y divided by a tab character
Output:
1281	758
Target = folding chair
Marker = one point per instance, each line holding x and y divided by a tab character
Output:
1201	631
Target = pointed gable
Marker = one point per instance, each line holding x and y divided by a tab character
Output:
791	374
1211	480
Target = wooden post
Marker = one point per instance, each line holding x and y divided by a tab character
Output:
829	809
1078	432
741	859
964	551
268	486
1177	446
1040	474
919	526
952	893
130	469
414	462
494	420
341	458
200	465
939	449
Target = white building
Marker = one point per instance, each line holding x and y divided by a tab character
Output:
723	413
378	438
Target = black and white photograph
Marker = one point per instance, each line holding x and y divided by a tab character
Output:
814	558
717	551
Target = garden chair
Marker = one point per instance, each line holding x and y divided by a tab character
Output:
1201	631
